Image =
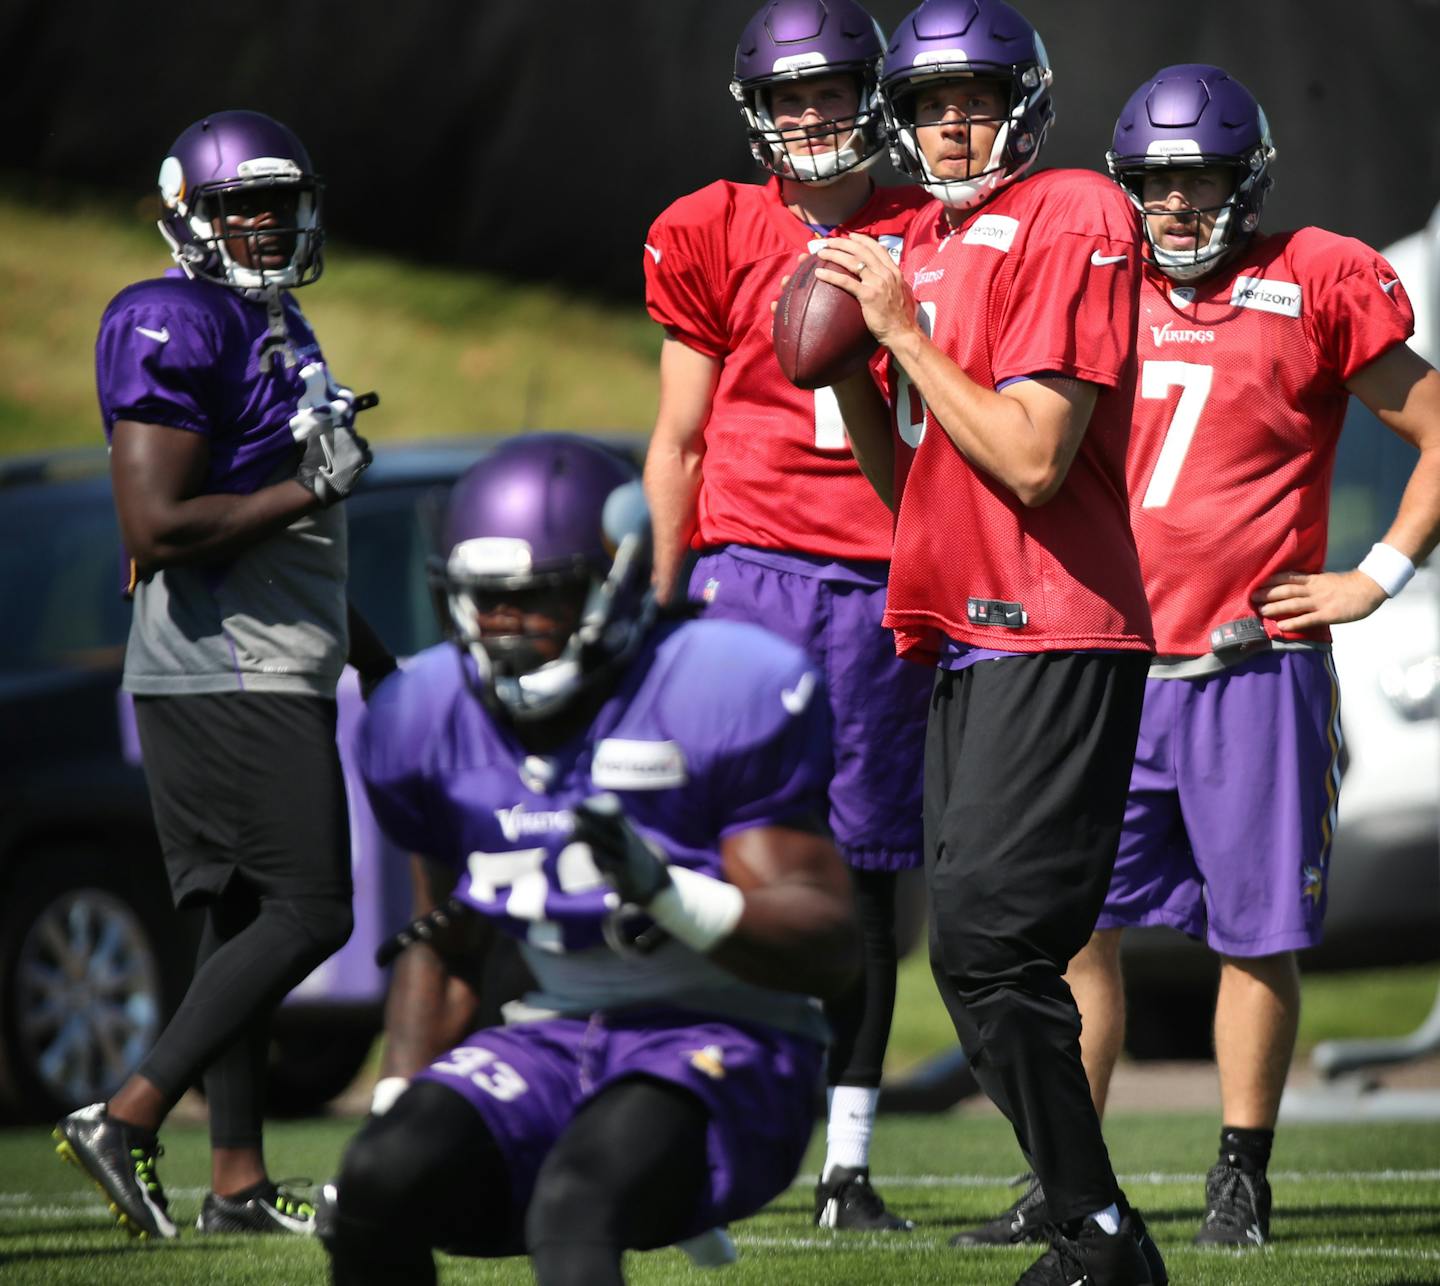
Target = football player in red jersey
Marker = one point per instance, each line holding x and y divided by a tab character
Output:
756	476
1249	346
1009	330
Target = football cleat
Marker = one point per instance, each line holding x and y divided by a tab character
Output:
276	1210
120	1159
1024	1221
1092	1257
1237	1208
847	1202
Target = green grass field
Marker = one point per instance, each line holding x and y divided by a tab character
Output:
451	351
1355	1204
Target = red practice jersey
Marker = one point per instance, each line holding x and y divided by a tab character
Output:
1241	398
777	471
1040	280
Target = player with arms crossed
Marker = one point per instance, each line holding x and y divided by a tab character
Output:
230	448
640	801
757	475
1249	346
1009	326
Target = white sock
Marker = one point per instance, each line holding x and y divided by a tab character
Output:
849	1127
1107	1219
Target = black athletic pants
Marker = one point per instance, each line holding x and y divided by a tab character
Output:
249	803
627	1172
1027	767
861	1017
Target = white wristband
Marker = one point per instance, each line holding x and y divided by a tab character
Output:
1388	568
697	909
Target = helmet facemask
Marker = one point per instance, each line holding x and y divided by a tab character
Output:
261	230
600	611
856	142
1017	141
1236	217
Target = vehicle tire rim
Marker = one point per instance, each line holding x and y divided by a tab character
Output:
88	995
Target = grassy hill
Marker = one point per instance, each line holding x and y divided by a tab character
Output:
451	351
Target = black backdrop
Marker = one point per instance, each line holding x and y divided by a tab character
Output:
538	138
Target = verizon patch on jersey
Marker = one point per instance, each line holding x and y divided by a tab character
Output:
993	611
1238	636
1281	297
994	230
621	763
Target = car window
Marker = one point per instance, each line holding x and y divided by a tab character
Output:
390	539
59	568
1372	466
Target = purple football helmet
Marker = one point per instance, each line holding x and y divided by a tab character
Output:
953	40
547	511
1195	115
788	40
239	165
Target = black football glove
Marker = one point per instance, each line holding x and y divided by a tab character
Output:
634	868
332	464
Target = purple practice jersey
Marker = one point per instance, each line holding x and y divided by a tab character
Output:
201	358
717	727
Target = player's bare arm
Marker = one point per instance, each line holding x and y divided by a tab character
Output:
797	930
1025	436
783	917
1404	392
157	472
867	429
428	1008
672	463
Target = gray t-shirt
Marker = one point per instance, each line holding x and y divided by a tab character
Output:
200	358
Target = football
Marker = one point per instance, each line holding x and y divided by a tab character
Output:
819	330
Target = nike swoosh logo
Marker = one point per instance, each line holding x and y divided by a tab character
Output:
654	253
797	698
1389	286
161	336
305	1227
1100	260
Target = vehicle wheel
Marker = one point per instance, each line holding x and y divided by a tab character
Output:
314	1061
91	966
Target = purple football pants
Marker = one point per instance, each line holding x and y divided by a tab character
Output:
1232	806
758	1085
878	702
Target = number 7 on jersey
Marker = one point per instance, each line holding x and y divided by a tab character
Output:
1156	381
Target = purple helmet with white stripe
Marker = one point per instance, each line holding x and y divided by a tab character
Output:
547	514
789	40
242	165
955	40
1196	115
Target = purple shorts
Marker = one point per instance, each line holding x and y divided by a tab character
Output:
878	702
1232	806
758	1084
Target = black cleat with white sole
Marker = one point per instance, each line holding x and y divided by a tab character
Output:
274	1210
120	1159
846	1201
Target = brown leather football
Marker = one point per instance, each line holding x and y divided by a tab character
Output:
819	330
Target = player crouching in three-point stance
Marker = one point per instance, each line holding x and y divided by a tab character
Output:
1249	346
1009	326
641	802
